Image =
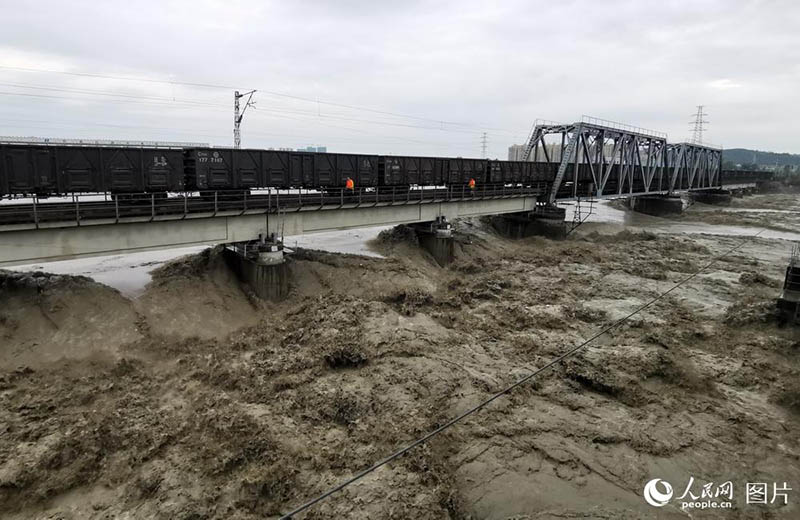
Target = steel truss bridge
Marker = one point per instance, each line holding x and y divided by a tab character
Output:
594	160
598	158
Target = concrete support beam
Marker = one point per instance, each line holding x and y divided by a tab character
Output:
21	246
658	205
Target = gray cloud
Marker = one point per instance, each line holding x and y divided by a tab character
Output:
492	68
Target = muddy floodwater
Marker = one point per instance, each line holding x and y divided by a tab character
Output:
179	394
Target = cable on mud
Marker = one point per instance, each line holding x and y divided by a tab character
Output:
557	360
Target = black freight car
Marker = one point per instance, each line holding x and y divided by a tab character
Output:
331	170
510	172
54	170
459	171
408	171
242	169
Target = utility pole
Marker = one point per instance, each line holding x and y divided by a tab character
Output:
699	125
237	117
484	142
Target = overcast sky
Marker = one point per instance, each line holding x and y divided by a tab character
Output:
415	77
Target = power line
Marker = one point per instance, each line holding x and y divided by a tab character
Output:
192	103
440	122
559	359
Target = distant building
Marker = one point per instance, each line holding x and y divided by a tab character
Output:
515	152
314	149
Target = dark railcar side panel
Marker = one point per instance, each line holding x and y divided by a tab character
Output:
428	173
391	172
363	169
404	171
25	170
499	171
122	169
302	167
246	169
278	173
460	170
18	174
79	169
208	169
219	169
163	170
367	170
411	170
3	175
325	170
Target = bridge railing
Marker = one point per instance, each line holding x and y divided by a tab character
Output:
81	209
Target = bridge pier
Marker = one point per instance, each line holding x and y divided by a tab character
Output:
437	239
789	301
260	264
718	196
768	186
658	205
544	220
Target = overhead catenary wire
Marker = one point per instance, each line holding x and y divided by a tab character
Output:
422	440
317	102
305	116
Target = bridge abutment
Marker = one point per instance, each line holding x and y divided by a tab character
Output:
718	196
545	220
437	239
261	265
658	205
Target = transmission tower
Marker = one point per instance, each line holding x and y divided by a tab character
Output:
484	143
237	117
698	125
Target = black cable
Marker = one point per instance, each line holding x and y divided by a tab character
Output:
262	91
474	409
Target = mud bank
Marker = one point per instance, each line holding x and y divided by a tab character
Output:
209	404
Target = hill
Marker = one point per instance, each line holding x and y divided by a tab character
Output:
745	156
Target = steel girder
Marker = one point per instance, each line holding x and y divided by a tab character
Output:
597	159
693	166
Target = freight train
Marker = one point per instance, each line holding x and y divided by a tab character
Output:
57	170
50	170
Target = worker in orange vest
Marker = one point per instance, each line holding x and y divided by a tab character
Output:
471	184
349	184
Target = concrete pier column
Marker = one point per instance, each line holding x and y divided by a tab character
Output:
437	239
261	265
717	196
789	301
548	221
658	205
545	220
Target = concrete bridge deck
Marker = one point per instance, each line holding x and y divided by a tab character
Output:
63	230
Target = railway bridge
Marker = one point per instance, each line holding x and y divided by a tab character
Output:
592	159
